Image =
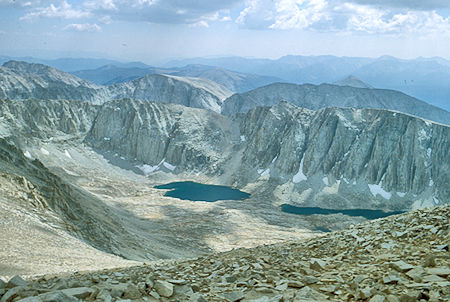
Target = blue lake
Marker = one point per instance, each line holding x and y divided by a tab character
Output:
307	211
189	190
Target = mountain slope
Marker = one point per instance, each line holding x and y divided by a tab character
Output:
326	95
190	92
399	258
20	80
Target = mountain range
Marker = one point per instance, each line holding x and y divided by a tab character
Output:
424	78
21	80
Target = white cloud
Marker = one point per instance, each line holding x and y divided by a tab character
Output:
378	21
258	14
200	24
343	16
65	11
161	11
20	3
409	4
299	14
86	27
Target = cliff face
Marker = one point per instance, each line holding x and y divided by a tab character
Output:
338	158
385	158
325	95
364	154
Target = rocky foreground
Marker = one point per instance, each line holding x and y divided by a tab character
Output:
400	258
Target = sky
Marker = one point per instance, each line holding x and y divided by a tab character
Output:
155	31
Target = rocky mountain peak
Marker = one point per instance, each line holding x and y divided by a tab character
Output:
22	66
352	81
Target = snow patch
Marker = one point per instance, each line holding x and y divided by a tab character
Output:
401	194
436	201
265	172
260	171
123	158
394	114
346	180
27	154
274	159
377	189
169	166
325	181
242	138
429	152
117	109
299	176
431	183
107	138
422	135
66	153
147	169
45	152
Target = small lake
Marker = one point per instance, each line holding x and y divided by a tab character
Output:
307	211
189	190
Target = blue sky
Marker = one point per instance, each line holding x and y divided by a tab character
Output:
156	30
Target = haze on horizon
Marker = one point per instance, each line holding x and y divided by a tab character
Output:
154	31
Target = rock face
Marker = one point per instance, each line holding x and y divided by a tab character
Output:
384	260
335	158
389	158
20	80
325	95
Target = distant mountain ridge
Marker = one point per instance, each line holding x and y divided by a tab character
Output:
425	78
234	81
21	80
326	95
352	81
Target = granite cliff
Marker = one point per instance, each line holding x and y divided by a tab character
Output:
332	157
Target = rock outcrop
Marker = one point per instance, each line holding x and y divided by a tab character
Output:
400	258
315	97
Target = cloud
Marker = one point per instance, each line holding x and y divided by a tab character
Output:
64	11
407	4
86	27
161	11
20	3
341	16
200	24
